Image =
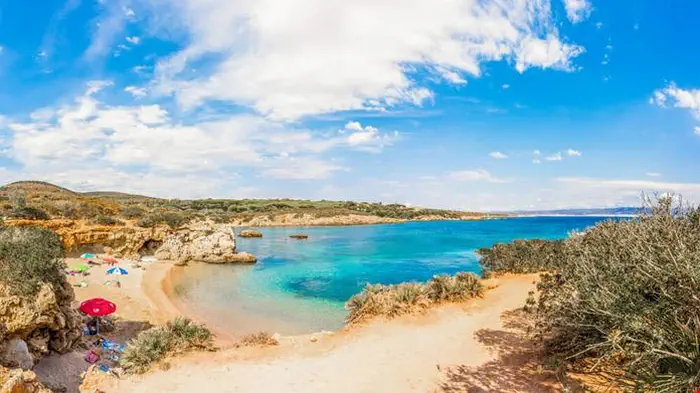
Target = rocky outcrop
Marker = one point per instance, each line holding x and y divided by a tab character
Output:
204	242
305	219
42	323
120	241
299	236
250	233
19	381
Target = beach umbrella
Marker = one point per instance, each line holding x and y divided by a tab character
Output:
79	268
88	256
117	271
110	260
98	307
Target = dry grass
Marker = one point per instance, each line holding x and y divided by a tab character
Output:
154	345
390	301
260	339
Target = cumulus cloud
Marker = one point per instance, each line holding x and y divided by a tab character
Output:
653	174
573	153
134	40
367	137
697	130
475	175
679	98
338	55
578	10
498	155
143	141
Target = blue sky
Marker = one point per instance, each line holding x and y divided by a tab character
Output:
469	104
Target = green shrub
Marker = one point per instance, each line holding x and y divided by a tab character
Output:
394	300
626	292
522	256
172	219
106	220
30	257
29	213
156	344
131	212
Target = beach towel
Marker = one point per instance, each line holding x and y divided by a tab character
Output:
92	357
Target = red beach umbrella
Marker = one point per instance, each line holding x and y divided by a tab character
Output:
98	307
110	260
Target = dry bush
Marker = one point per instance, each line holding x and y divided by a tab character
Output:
179	335
628	292
393	300
260	339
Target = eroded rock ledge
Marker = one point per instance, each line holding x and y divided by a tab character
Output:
202	241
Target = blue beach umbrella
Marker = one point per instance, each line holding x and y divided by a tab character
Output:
88	256
117	271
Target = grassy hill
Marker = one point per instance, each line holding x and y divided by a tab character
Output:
60	202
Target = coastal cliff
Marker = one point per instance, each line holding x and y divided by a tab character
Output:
203	241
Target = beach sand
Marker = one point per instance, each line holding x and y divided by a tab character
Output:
475	347
141	304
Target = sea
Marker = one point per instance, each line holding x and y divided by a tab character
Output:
301	286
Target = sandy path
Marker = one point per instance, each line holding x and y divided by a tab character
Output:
404	355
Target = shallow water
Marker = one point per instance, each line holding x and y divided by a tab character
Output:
300	286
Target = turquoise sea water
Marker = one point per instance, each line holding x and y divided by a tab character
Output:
300	286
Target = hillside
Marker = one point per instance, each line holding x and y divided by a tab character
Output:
111	207
610	211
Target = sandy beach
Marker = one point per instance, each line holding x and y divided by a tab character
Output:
455	348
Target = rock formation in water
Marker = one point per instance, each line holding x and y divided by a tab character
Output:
35	326
299	237
203	241
250	233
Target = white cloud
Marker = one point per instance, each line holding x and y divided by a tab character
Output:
107	28
578	10
505	86
573	153
498	155
475	175
143	141
134	40
554	157
367	137
137	92
365	57
624	187
536	161
697	130
599	25
679	98
653	174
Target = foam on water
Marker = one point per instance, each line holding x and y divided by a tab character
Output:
300	286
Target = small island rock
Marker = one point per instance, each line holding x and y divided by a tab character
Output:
250	233
299	236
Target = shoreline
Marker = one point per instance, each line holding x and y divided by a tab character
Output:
160	290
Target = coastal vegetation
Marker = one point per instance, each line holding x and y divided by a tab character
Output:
621	294
390	301
40	201
30	257
153	345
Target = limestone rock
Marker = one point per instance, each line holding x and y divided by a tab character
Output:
16	354
45	322
250	233
18	381
203	242
299	237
